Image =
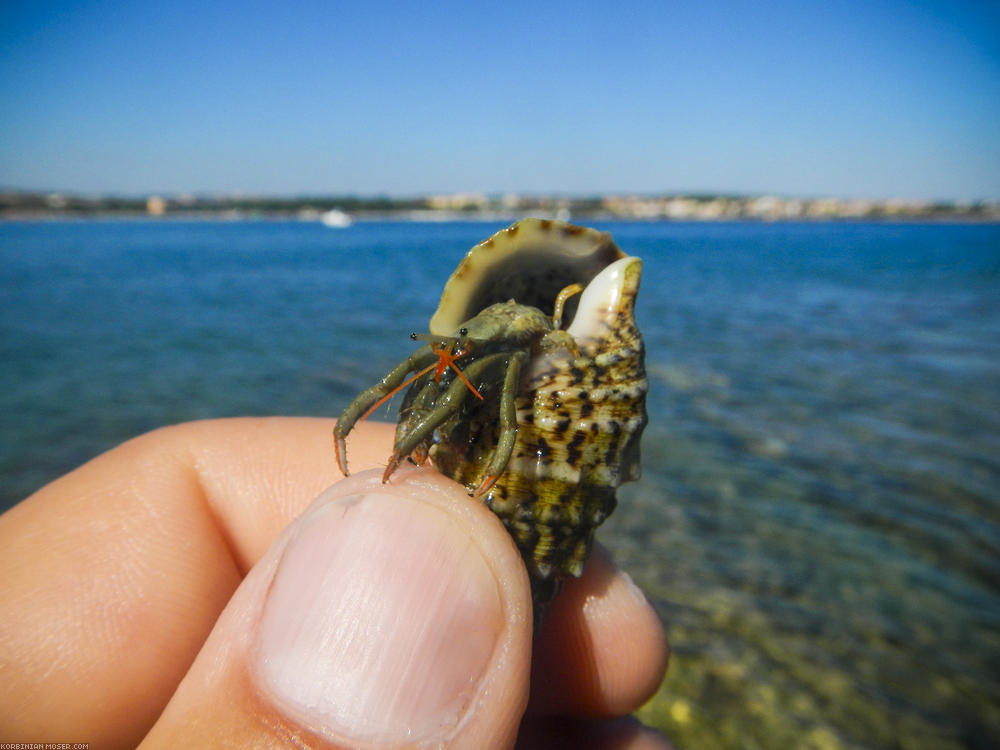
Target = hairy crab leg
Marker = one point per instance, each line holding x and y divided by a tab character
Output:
398	388
392	383
444	408
360	405
445	360
419	400
508	424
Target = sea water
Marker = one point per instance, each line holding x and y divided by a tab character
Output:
818	521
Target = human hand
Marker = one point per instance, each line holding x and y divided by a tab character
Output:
181	590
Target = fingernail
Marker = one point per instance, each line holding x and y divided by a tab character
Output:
382	618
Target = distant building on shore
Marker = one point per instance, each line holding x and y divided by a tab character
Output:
156	206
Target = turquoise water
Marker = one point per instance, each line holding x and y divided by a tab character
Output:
819	518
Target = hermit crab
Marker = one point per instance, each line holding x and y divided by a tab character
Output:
539	420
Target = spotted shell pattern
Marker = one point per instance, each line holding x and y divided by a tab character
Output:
580	415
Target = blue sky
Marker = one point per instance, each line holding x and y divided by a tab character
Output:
854	99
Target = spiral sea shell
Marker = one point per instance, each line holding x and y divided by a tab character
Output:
580	414
541	423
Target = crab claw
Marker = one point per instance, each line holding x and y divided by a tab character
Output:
486	485
340	449
394	461
419	455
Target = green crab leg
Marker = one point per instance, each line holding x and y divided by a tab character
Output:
359	407
418	400
444	408
508	424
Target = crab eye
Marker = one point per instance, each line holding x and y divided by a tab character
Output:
463	331
413	335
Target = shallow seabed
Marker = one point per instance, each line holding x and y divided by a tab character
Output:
819	518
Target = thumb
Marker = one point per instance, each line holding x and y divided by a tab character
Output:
390	615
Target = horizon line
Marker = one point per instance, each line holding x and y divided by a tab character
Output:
483	194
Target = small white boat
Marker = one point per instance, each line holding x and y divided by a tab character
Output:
336	218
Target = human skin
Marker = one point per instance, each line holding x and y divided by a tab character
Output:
216	584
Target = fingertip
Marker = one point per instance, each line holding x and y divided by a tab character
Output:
603	650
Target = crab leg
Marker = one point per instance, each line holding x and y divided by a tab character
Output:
419	400
508	424
359	407
444	408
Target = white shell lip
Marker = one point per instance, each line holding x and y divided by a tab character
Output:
530	261
604	298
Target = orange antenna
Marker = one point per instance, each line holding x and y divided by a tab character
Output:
446	358
394	391
448	349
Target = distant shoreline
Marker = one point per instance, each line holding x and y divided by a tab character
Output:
343	210
8	218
